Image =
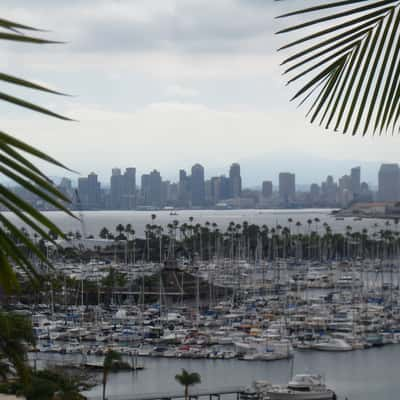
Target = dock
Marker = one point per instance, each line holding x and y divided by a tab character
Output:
194	394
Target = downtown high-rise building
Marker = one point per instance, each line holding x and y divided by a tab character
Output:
184	189
389	182
89	192
287	187
220	188
145	189
155	189
129	189
116	189
123	189
267	189
355	176
197	186
235	181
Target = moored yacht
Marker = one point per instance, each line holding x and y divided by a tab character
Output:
332	344
302	387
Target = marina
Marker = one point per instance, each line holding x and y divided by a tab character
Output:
249	296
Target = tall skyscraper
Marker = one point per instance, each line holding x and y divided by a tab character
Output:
184	188
145	189
235	180
287	187
155	188
93	191
355	175
221	188
83	192
116	189
129	190
66	189
389	182
329	191
89	192
197	186
345	183
267	189
315	192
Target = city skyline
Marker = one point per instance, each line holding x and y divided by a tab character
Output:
128	190
252	173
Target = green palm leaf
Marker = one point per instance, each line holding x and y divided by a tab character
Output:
348	65
15	246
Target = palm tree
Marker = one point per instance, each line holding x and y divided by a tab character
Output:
349	61
15	333
18	168
111	358
104	233
120	228
187	379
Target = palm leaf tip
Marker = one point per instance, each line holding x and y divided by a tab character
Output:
363	91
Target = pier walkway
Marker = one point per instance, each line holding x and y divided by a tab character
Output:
194	394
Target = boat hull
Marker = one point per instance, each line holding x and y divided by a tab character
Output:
298	395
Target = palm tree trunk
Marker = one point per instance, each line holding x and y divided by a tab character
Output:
104	384
187	392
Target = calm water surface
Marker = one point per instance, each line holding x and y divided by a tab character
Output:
358	375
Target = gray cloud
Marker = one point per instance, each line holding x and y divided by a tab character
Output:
183	26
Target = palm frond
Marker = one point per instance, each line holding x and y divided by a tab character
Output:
348	64
15	333
15	246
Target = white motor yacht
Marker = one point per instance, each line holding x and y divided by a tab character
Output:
332	344
302	387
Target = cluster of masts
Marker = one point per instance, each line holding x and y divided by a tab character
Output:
249	311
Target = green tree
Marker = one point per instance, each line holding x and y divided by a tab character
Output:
187	379
55	385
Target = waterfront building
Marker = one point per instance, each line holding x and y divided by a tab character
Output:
389	182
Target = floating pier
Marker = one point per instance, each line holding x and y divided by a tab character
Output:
215	394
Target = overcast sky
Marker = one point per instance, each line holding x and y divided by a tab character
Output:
167	83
